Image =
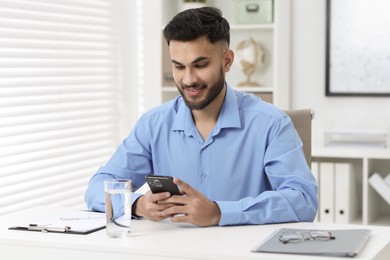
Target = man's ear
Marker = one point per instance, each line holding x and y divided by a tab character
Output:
229	57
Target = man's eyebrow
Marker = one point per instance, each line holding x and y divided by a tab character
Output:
176	62
201	58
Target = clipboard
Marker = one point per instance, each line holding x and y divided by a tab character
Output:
63	220
346	243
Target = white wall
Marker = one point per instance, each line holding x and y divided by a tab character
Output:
141	38
308	76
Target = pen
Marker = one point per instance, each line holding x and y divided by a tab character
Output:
47	228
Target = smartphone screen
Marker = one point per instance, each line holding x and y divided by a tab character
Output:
162	184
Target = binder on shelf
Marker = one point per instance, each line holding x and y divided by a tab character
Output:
345	193
315	170
327	192
378	183
387	179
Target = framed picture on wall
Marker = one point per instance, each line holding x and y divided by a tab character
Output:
358	48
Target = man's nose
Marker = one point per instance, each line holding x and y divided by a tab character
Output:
189	77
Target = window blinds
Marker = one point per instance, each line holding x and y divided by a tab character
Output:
59	76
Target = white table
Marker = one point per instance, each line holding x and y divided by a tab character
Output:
164	240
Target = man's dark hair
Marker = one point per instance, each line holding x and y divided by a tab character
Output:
191	24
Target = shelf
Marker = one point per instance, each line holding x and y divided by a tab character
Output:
348	152
264	89
375	208
269	26
169	89
357	221
384	220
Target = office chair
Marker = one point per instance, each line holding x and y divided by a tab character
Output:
301	119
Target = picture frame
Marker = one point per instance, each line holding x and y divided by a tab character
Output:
357	48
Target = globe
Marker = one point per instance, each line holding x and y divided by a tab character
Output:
250	56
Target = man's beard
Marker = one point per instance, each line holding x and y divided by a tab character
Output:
214	91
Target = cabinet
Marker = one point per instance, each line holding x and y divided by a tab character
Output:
274	39
372	209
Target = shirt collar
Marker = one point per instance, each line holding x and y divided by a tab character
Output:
229	116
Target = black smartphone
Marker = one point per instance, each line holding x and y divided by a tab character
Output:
162	184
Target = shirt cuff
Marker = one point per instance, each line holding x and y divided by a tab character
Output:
134	198
230	213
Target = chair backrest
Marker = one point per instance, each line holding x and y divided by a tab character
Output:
301	119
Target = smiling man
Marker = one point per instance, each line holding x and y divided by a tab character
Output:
237	159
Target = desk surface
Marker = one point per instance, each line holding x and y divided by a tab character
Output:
165	240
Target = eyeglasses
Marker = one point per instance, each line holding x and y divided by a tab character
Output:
297	237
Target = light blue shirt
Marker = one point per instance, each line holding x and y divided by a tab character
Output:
252	164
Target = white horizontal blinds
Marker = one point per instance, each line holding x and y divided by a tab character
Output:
58	96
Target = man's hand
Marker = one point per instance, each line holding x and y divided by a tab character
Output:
193	207
148	206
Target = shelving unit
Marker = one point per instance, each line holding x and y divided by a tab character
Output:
274	38
372	208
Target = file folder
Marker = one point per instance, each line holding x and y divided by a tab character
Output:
345	193
316	172
387	179
327	192
346	243
63	220
378	183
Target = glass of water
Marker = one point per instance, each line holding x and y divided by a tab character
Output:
118	207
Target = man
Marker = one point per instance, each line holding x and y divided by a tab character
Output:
236	159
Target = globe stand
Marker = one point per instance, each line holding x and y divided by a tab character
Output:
248	69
